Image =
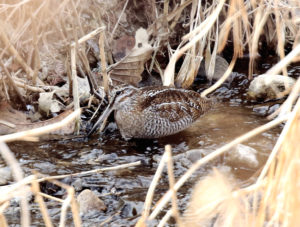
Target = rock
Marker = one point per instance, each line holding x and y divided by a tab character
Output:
77	184
189	157
195	154
266	109
221	66
44	167
262	110
273	108
266	87
5	175
243	155
88	202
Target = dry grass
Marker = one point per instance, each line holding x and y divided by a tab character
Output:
37	39
44	39
37	35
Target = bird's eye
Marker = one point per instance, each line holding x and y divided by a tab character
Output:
118	92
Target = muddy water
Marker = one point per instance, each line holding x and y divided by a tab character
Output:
124	191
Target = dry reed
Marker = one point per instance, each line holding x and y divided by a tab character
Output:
246	24
37	36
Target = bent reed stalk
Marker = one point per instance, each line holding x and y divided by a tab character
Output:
246	22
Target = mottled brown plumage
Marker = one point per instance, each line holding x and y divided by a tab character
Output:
153	112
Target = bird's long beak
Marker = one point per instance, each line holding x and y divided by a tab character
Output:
102	118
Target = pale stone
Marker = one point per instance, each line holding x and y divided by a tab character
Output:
244	156
5	175
266	87
88	201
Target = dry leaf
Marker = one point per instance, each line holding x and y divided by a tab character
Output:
83	89
47	104
122	47
65	130
12	121
9	118
130	69
188	70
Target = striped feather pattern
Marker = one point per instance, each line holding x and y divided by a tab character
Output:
152	112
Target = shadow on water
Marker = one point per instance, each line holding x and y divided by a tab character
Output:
125	190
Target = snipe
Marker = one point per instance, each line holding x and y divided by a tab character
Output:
153	112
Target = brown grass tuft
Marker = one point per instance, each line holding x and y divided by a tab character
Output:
213	201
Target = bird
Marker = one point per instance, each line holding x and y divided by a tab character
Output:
154	111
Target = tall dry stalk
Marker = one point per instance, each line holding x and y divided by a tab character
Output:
280	203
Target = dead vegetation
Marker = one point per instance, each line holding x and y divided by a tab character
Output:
38	39
271	200
45	44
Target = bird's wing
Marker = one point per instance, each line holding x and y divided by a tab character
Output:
171	104
174	111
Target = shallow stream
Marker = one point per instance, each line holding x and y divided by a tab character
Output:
124	191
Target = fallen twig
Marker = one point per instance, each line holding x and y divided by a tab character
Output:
84	173
8	191
103	61
109	219
119	19
29	87
51	197
41	202
40	131
150	193
171	177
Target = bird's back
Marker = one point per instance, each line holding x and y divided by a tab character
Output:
160	111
